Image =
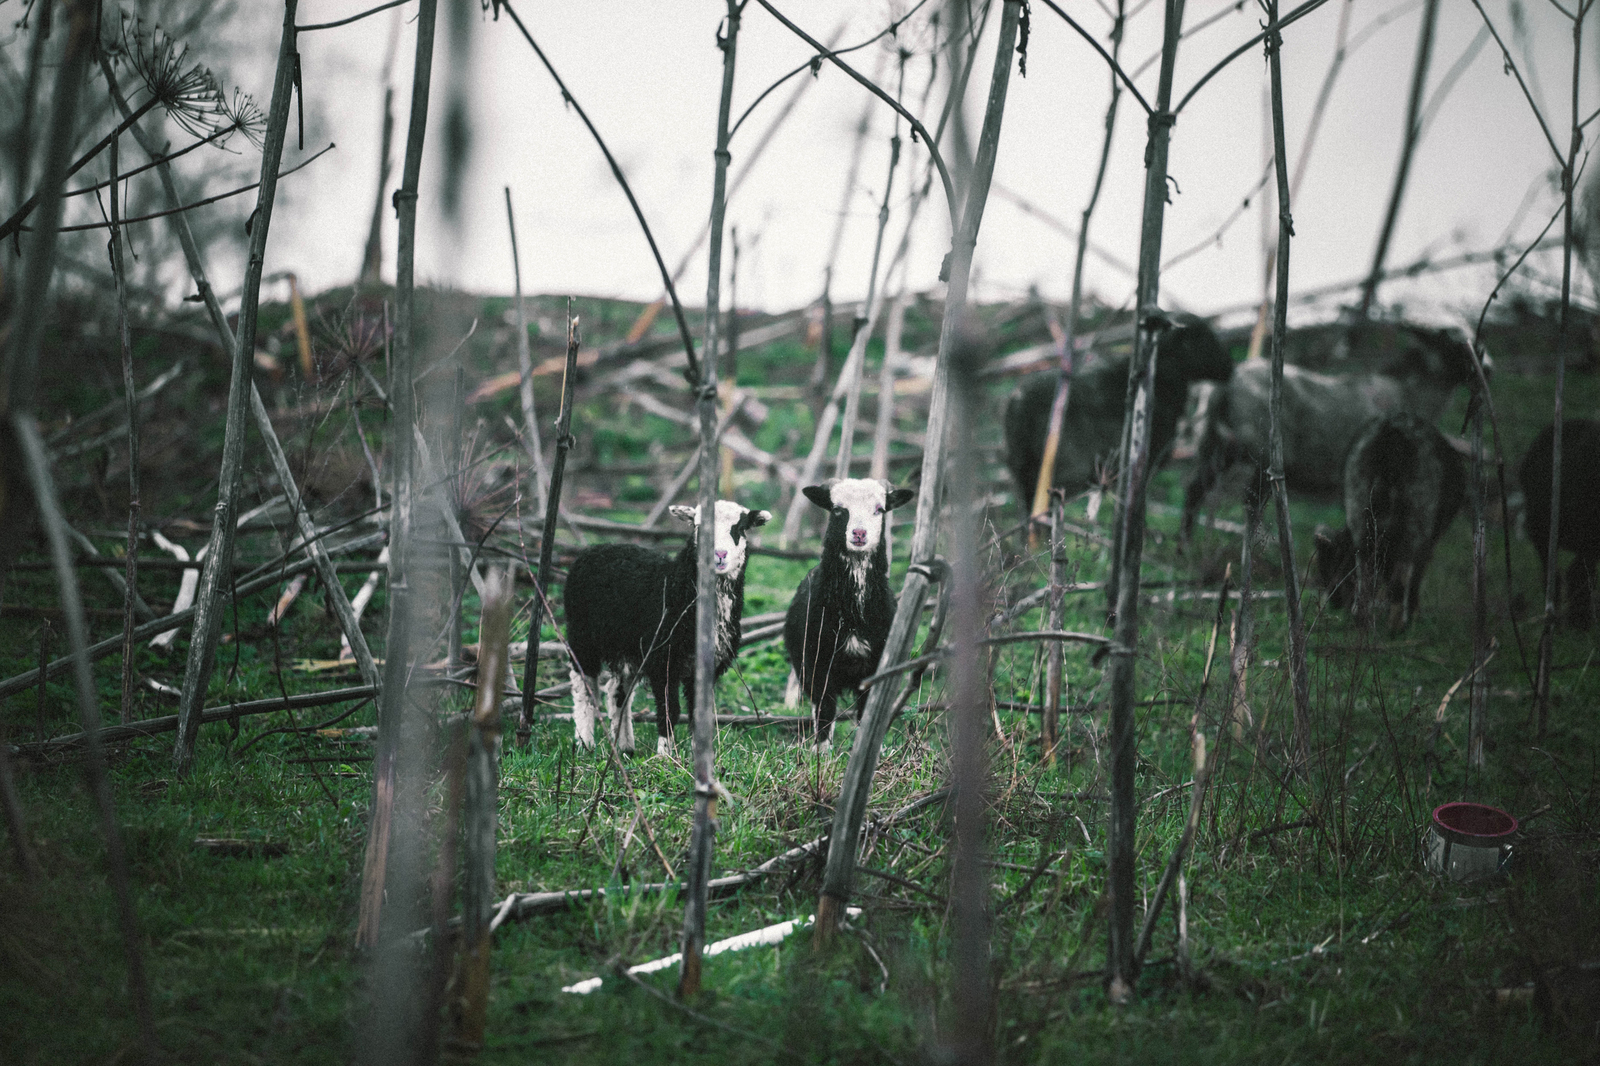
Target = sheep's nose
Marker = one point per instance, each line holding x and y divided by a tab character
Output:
858	536
722	558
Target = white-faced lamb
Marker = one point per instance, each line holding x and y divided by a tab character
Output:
1403	484
838	621
631	611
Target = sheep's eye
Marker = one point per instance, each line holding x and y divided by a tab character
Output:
878	509
838	510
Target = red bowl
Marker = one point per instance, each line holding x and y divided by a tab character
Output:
1473	824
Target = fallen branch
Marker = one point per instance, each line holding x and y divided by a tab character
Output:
168	723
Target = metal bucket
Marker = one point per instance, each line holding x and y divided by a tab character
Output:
1469	841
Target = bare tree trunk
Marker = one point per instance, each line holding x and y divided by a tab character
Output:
891	358
390	1031
1129	547
702	837
547	538
819	372
219	548
18	376
971	988
131	578
729	386
530	422
1408	144
1299	675
1067	342
855	790
1480	594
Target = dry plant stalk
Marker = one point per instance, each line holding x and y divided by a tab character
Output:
530	421
1066	343
1299	674
219	555
18	373
702	837
1050	721
1129	550
547	537
130	592
850	810
482	805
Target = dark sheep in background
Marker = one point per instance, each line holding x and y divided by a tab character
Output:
1091	430
631	610
1322	415
1403	484
839	620
1580	508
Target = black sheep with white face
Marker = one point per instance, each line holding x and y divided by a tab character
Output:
1580	508
631	610
839	620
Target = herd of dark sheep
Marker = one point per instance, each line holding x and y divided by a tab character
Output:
1359	421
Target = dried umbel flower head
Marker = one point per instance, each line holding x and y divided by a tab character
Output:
245	117
188	92
346	339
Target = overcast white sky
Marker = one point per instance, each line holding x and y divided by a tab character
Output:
648	74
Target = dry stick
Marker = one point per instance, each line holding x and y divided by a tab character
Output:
1419	80
1340	51
547	539
729	387
16	823
692	373
349	620
30	93
402	405
748	161
971	997
1197	791
219	555
702	834
856	787
483	742
1050	721
20	682
819	370
1066	347
1299	673
852	403
1130	528
372	254
16	400
530	421
131	578
1568	178
167	723
141	609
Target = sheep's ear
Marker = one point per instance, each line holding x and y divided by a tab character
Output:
684	513
897	497
821	495
1322	538
757	518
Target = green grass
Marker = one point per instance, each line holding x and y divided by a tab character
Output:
1315	935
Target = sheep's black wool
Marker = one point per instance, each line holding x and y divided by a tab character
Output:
1403	484
631	610
838	621
1580	507
1091	430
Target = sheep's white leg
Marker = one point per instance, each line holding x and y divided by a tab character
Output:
791	692
824	737
584	711
619	703
664	742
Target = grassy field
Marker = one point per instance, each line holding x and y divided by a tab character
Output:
1314	934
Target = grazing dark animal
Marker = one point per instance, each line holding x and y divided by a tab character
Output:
1323	415
1091	429
631	610
1403	484
838	621
1579	530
